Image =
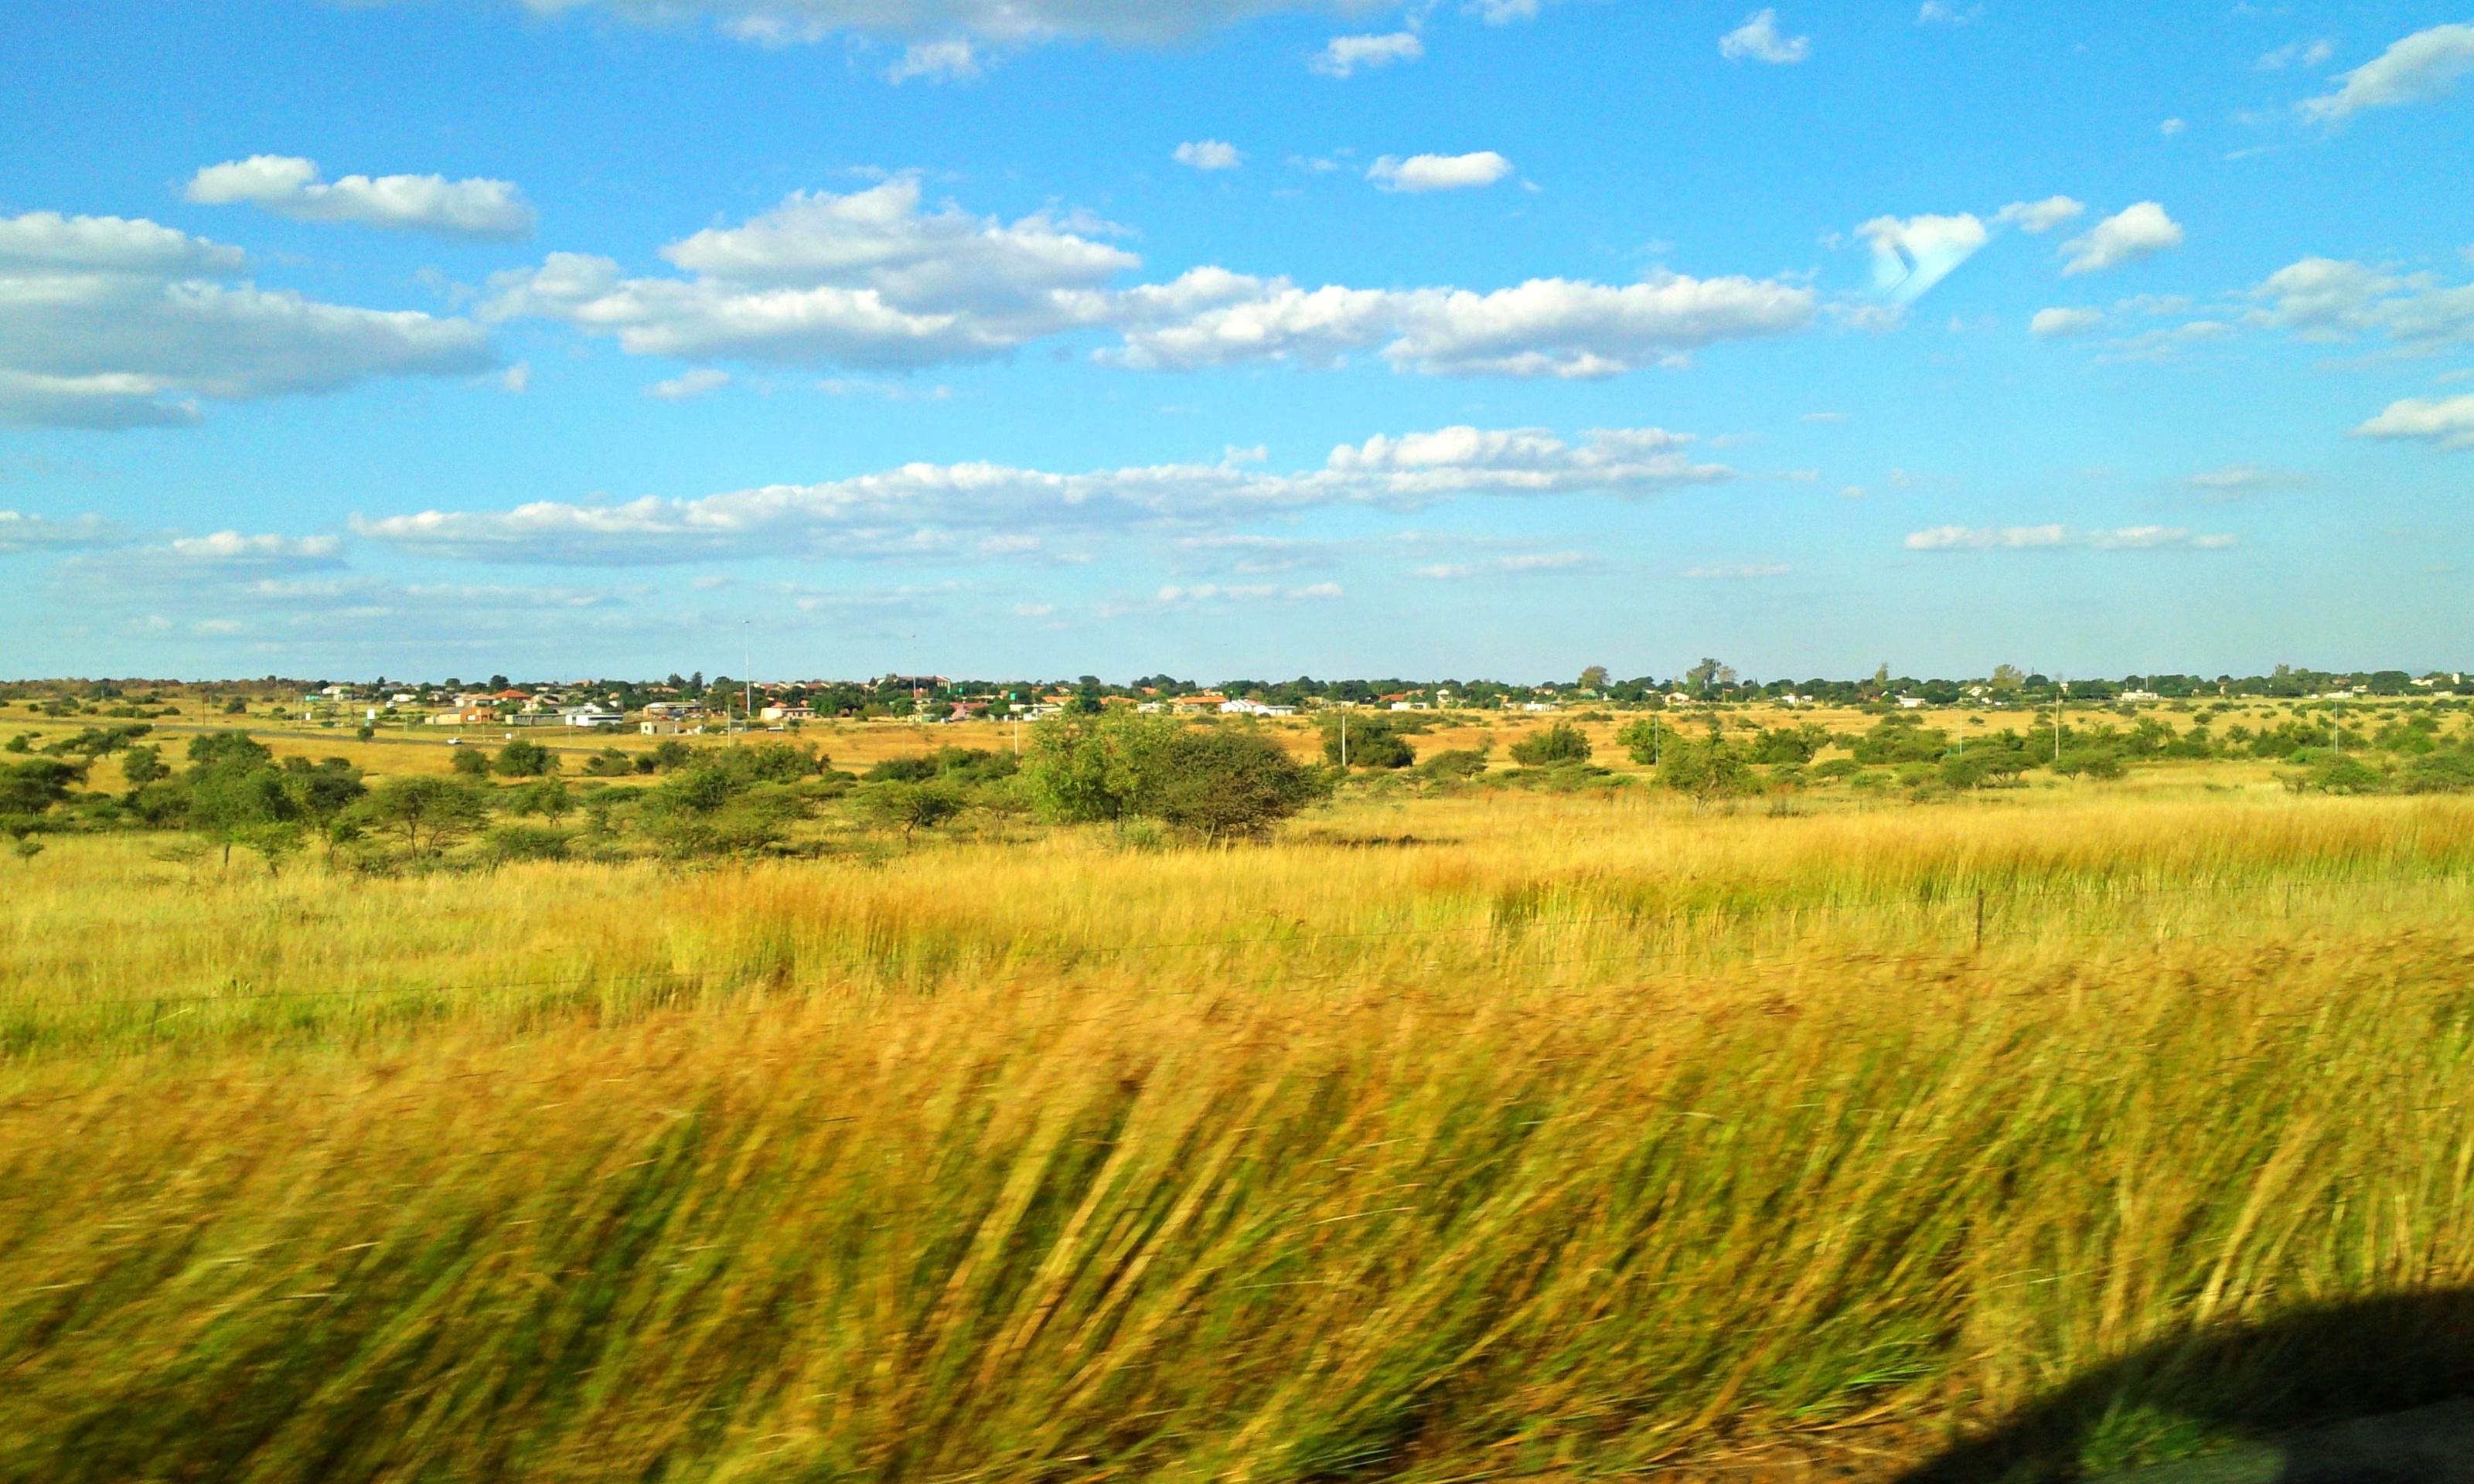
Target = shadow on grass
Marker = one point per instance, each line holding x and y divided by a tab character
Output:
2219	1386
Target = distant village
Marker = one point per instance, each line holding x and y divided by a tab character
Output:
690	705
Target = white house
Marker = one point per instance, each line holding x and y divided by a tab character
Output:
1912	703
592	716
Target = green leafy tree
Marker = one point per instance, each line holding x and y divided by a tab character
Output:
471	763
1707	768
523	759
911	806
430	812
1218	783
1559	743
143	765
1371	743
1644	740
547	799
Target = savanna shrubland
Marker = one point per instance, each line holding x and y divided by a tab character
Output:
1529	1134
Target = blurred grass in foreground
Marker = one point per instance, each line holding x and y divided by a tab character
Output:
1585	1137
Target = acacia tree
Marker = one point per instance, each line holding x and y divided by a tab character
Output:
1708	769
437	810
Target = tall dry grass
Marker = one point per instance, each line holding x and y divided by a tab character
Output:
1590	1137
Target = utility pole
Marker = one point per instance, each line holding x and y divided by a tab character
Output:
2061	688
747	633
1344	741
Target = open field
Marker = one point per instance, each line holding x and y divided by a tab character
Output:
1491	1135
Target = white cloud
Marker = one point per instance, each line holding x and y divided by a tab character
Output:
1033	610
1912	255
1824	417
950	60
1938	12
2163	346
1012	22
2057	323
1209	154
1438	172
21	532
1502	12
944	509
2328	299
230	548
2298	54
2239	479
1343	55
1986	537
2130	235
872	281
1546	328
696	382
2421	68
2448	421
1741	572
1517	564
2041	216
1758	40
2049	538
2172	127
113	322
866	280
517	379
290	187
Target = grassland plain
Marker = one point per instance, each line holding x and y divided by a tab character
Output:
1498	1136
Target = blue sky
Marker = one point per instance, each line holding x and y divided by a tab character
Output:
564	337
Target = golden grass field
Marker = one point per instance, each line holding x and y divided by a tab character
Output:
1500	1135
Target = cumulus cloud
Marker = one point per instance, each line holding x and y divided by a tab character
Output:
875	280
2233	480
1737	572
2330	299
2421	68
691	383
783	22
1438	172
111	323
1939	13
21	532
2447	421
2041	216
1758	40
1545	327
1209	154
950	60
867	279
1345	55
1176	595
928	508
2298	54
1911	255
2130	235
289	186
231	548
1503	13
2053	536
2059	324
